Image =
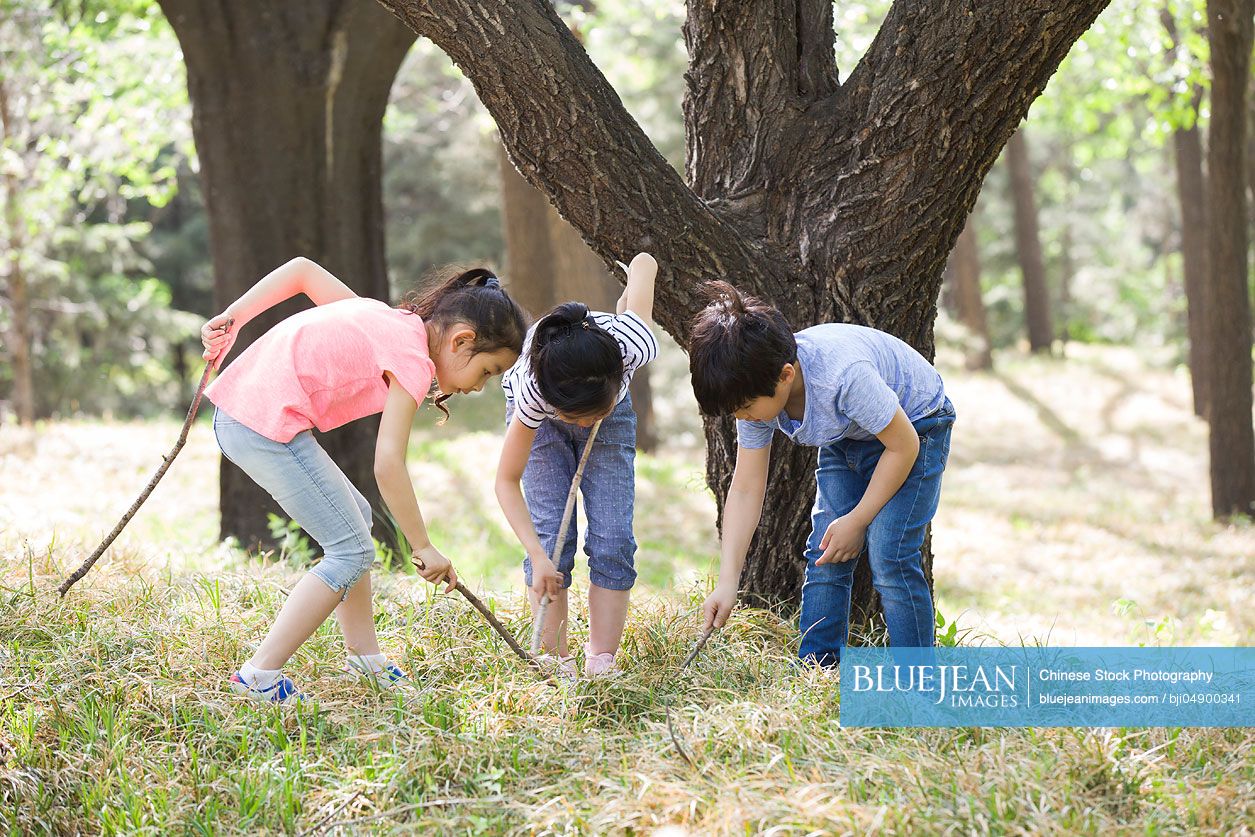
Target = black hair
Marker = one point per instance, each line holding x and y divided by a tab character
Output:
578	365
737	347
458	294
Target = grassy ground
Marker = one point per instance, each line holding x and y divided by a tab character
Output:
1074	512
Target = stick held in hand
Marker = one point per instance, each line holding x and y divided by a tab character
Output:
167	460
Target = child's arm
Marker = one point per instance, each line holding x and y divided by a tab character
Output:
514	455
741	512
395	487
844	538
638	296
300	275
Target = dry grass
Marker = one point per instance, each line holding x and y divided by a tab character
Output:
1071	486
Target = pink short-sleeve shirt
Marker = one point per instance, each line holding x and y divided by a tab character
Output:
324	367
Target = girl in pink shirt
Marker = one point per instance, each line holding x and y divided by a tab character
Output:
346	358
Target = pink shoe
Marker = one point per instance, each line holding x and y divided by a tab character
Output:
564	667
598	665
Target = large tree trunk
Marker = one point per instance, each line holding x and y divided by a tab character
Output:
19	336
1228	306
1028	246
968	299
835	201
287	108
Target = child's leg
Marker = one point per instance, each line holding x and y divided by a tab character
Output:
553	637
896	536
825	616
356	613
609	489
546	484
314	492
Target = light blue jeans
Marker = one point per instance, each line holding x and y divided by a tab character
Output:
313	491
894	539
608	487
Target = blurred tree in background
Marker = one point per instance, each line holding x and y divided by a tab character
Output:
93	124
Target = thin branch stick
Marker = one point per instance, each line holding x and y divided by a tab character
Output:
161	472
538	625
498	627
675	739
492	620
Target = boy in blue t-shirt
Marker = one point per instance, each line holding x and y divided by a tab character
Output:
877	411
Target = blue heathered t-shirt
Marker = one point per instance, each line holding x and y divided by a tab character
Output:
855	378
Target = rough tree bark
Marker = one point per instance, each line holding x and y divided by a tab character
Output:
835	201
287	108
1228	307
968	300
1028	246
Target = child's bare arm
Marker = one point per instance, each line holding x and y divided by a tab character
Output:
638	296
300	275
514	455
844	539
741	512
395	486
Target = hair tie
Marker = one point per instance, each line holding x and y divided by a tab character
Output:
584	323
493	282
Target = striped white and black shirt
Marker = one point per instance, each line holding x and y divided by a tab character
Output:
636	343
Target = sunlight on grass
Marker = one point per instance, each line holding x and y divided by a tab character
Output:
1074	512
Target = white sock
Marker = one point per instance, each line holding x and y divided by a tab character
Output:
369	662
258	678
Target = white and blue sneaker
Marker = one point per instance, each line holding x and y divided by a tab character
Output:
384	676
283	690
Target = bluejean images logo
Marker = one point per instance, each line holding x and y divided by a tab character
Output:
1044	686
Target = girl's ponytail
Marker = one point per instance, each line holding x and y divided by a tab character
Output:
577	364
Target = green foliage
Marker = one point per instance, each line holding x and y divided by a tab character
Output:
98	124
294	547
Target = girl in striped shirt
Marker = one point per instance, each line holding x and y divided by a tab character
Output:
574	370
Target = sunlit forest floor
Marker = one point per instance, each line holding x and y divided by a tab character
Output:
1074	512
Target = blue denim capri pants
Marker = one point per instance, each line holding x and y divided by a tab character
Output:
608	488
313	491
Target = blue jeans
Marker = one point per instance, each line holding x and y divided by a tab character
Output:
313	491
894	539
608	488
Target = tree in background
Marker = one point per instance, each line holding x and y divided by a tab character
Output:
1227	306
969	305
1187	149
836	201
1028	246
287	107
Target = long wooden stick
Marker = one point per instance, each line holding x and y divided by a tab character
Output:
538	625
675	739
498	627
492	620
152	483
